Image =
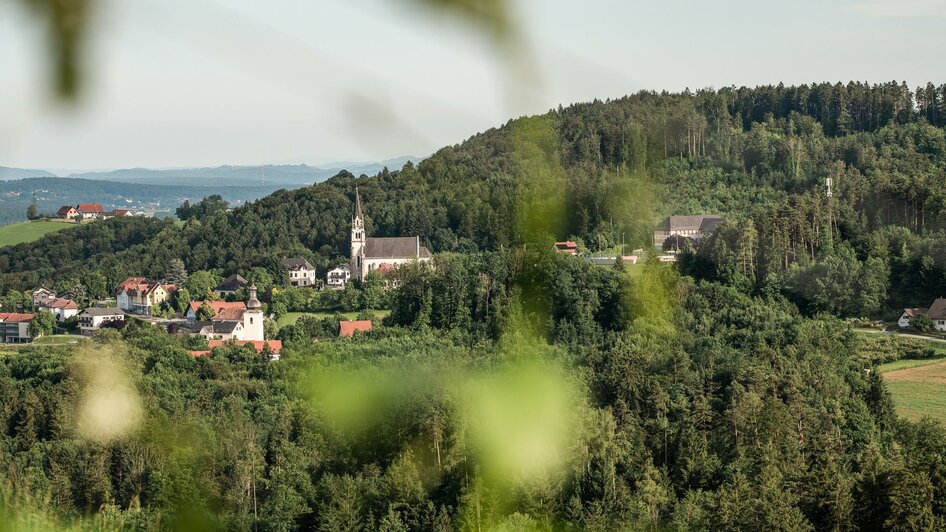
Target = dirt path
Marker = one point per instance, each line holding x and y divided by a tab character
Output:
934	373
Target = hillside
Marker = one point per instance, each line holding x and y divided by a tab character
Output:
603	171
21	173
54	192
289	176
18	233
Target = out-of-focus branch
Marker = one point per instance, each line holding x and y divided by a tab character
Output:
67	22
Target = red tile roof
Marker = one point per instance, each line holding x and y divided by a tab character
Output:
13	317
196	354
566	247
223	310
89	208
142	285
60	302
275	345
348	328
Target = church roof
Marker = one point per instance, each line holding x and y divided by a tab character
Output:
395	248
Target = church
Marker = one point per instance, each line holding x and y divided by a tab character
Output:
380	253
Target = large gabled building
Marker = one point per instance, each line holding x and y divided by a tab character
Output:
380	253
139	295
15	328
690	227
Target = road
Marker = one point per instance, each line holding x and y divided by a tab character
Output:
905	335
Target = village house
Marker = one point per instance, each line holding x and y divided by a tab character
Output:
92	319
690	227
936	313
369	254
338	277
230	286
63	308
568	247
301	273
15	328
138	295
223	310
67	212
41	295
348	328
118	212
90	211
231	320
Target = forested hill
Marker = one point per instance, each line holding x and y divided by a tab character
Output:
606	170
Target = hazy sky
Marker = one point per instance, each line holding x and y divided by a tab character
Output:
206	82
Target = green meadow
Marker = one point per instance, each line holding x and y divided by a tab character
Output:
29	231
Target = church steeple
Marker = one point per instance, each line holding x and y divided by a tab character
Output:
357	238
358	205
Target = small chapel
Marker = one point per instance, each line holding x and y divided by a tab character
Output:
380	253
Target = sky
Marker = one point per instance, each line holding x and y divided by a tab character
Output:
176	83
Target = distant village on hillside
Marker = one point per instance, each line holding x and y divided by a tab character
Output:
232	312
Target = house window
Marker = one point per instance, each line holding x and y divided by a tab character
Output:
251	321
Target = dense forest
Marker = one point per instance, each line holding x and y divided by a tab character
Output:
507	391
512	388
609	171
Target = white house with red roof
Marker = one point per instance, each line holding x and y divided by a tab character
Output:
15	328
67	212
90	211
63	308
139	295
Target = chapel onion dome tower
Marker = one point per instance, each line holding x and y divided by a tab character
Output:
253	303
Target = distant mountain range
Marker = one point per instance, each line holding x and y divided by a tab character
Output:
162	191
282	176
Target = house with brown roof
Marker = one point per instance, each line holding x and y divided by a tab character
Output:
230	286
689	227
15	328
67	212
90	211
567	247
42	295
369	253
936	312
301	272
348	328
139	295
63	308
118	212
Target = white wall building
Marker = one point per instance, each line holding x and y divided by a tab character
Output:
301	273
338	277
368	254
92	319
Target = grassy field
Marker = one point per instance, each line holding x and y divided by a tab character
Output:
918	387
58	339
291	317
29	231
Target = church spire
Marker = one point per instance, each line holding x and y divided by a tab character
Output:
358	204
